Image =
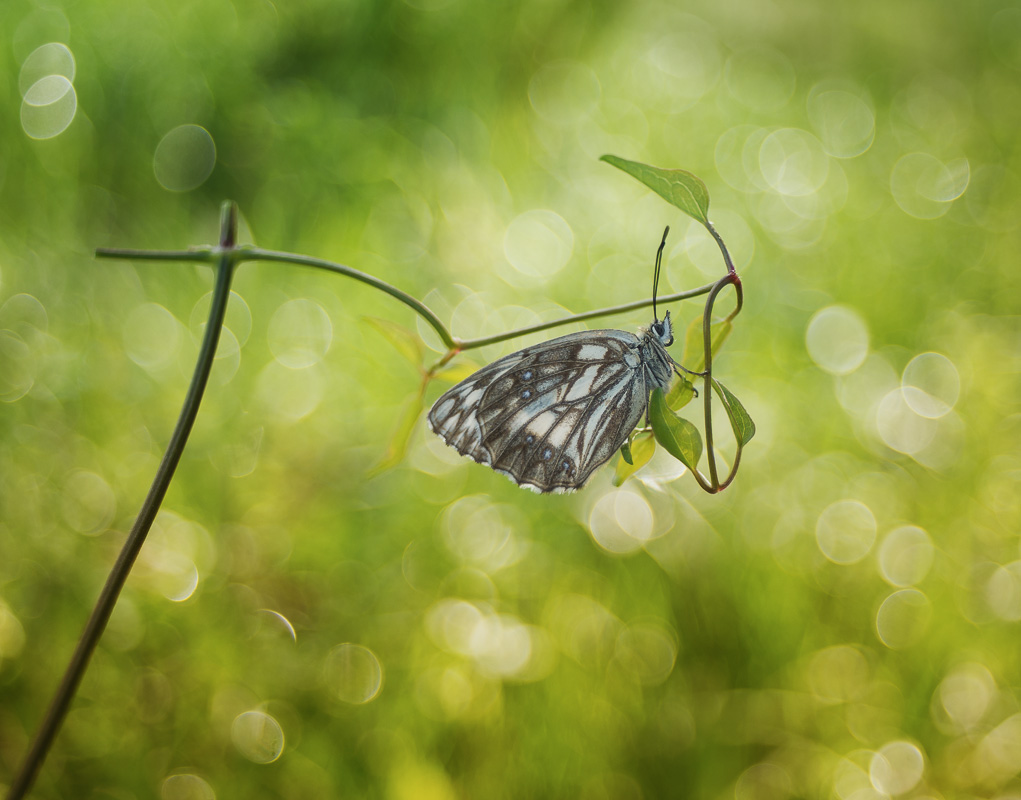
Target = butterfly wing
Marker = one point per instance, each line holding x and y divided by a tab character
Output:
548	415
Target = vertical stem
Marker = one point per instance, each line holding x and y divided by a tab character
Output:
96	624
707	391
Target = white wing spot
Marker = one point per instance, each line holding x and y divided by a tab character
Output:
591	352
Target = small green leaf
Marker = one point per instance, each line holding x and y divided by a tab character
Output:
642	449
744	428
680	393
625	452
693	356
677	186
458	372
407	343
680	438
398	445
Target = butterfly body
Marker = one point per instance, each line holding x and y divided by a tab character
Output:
548	415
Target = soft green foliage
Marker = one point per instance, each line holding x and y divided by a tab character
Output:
680	438
677	186
843	620
740	422
633	456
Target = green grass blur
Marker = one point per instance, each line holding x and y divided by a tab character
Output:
842	622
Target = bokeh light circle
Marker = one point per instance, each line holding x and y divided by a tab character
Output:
17	367
151	336
538	244
931	385
257	736
184	158
906	555
966	693
353	674
924	187
89	504
564	92
621	521
896	768
185	786
48	107
837	339
903	618
54	58
1003	592
845	531
793	162
300	333
900	427
844	122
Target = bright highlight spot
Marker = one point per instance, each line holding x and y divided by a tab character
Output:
48	107
793	162
186	787
903	618
353	673
1003	592
184	158
924	187
906	555
537	244
621	521
931	385
300	333
151	335
837	339
53	59
257	736
966	694
900	427
89	503
896	768
843	121
845	531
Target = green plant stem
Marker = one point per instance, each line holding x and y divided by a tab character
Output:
468	344
452	343
96	624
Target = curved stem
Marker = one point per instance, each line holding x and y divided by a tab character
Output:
420	308
96	624
730	277
467	344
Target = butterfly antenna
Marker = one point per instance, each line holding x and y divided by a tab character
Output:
655	277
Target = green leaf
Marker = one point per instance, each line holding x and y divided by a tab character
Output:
642	449
680	437
680	393
407	343
693	356
458	372
625	452
677	186
744	428
398	445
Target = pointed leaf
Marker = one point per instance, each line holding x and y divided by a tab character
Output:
456	373
625	453
693	356
398	445
642	449
677	186
408	344
680	437
744	428
681	393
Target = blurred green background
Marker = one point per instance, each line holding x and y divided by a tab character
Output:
842	623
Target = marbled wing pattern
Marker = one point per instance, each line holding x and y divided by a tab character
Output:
548	415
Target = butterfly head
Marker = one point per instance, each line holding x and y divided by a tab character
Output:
663	330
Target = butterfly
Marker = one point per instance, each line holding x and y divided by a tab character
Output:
549	415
